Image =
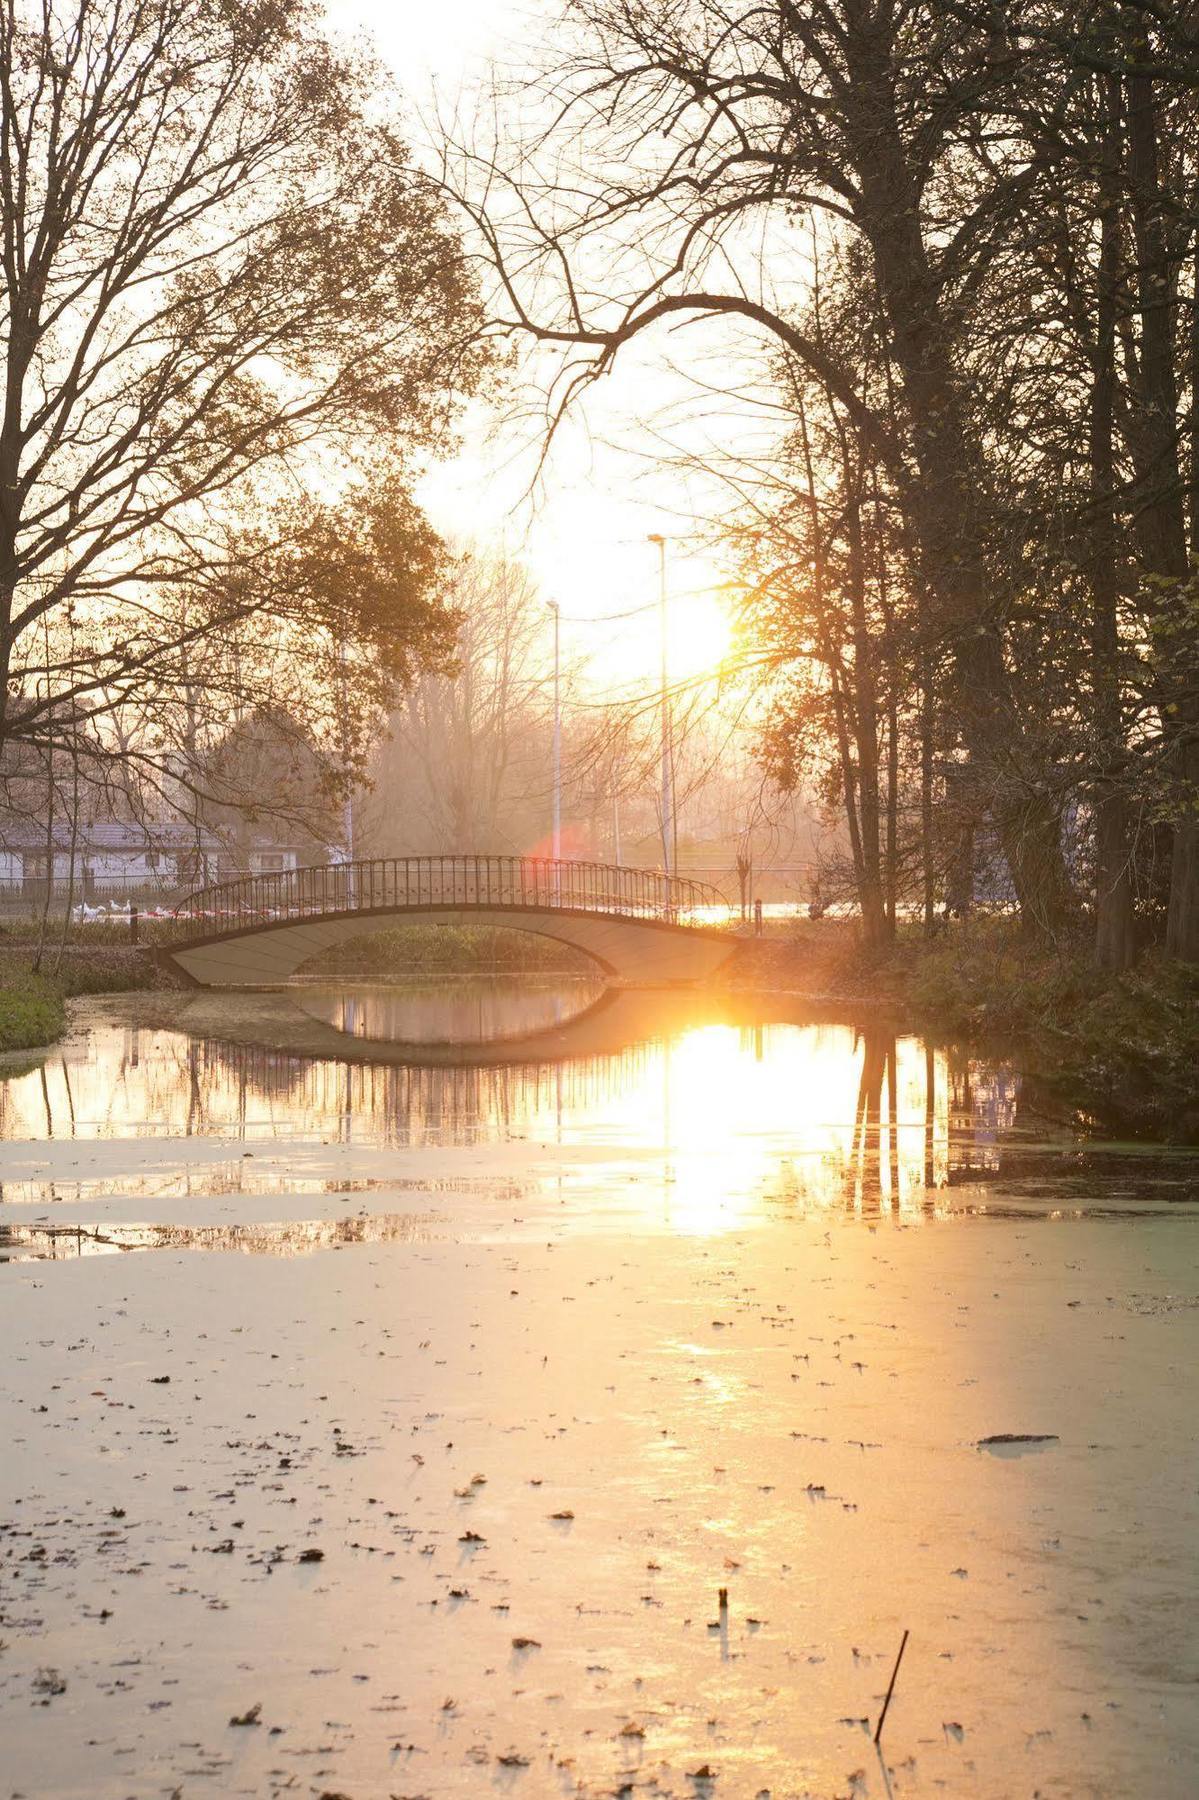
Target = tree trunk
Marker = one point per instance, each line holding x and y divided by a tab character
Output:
946	500
1182	923
1182	918
43	919
927	854
1115	943
1159	499
1030	833
854	706
1115	935
72	853
892	896
865	717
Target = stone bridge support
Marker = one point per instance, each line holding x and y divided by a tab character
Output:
628	949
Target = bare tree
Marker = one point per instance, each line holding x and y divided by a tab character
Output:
1016	188
465	765
695	123
224	284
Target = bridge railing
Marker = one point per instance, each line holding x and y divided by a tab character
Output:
486	883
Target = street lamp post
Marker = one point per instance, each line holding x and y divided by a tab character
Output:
669	846
557	830
348	810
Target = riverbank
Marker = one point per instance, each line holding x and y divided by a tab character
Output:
33	1010
1125	1047
452	950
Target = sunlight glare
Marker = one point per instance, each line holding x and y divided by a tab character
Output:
701	636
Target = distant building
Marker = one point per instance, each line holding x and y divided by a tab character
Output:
255	809
267	859
108	854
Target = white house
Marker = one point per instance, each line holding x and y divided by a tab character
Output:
108	854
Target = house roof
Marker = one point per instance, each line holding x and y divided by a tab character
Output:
108	834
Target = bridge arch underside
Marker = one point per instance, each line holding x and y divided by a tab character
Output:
625	949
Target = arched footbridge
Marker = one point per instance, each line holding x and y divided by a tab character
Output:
636	925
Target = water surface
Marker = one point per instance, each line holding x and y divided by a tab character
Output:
542	1335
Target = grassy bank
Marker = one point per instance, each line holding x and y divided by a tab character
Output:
32	1006
31	1010
1125	1048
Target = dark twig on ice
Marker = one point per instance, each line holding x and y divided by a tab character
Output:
878	1730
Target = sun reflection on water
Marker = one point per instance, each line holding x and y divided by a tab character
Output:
706	1126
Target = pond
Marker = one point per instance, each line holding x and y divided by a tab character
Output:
407	1369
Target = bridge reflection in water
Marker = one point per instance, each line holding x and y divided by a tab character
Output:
472	1019
707	1112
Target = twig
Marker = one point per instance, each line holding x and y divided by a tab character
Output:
878	1732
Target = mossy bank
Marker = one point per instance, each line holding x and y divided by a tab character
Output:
33	1002
1121	1052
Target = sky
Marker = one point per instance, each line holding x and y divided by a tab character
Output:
584	533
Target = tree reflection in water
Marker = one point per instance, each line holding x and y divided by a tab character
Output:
696	1109
738	1099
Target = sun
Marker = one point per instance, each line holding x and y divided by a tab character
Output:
627	650
700	635
622	652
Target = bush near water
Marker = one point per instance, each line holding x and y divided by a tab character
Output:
1119	1051
32	1004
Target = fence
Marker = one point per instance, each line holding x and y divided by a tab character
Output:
29	896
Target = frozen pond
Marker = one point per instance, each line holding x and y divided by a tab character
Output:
414	1407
